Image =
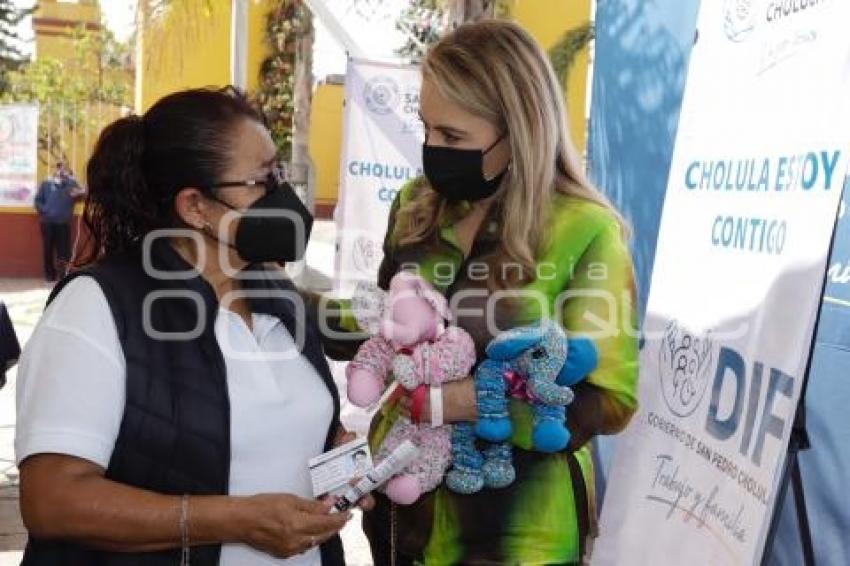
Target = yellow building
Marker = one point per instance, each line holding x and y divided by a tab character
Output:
189	46
54	24
325	145
54	21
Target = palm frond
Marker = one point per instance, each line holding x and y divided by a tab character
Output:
564	53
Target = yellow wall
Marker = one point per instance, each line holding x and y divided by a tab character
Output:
326	140
257	47
190	48
547	20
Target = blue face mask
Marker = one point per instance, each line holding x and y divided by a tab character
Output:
457	174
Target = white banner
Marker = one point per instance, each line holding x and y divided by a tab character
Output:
754	186
382	150
18	154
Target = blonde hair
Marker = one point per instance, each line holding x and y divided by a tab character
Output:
496	70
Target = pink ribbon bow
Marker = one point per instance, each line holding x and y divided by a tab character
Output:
518	386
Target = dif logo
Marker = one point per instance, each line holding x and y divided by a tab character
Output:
739	19
683	359
744	385
382	95
739	400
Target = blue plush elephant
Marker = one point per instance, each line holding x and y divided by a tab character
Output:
537	363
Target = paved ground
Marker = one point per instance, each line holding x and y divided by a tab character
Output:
25	299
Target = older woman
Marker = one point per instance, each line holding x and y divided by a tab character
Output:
171	396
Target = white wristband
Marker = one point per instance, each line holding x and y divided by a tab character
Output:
436	406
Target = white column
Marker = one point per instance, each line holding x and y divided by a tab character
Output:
239	44
142	12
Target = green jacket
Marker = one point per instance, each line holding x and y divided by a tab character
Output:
584	280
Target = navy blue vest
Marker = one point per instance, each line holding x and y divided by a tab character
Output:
175	432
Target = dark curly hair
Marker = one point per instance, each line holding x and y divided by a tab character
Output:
140	163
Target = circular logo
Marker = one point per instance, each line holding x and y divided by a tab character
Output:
739	19
683	363
366	255
382	95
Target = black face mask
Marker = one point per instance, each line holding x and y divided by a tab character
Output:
457	174
276	227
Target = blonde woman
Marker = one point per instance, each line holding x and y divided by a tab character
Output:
507	226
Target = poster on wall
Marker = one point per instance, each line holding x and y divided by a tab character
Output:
382	150
18	154
756	177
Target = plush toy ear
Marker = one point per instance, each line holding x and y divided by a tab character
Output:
416	283
582	359
437	301
369	303
511	343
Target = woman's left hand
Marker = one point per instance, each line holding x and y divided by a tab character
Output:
459	403
367	502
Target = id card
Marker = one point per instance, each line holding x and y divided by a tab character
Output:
333	470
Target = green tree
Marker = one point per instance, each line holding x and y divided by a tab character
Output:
76	93
289	33
10	56
422	22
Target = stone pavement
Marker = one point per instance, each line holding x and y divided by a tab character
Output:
25	299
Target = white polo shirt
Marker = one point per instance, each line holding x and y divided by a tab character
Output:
71	394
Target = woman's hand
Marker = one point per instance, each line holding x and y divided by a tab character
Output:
459	403
284	525
367	502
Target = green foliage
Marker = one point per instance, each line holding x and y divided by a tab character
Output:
72	92
10	55
285	24
422	21
563	54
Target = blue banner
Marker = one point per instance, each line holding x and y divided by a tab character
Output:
640	65
826	466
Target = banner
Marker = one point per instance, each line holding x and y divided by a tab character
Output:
756	177
641	49
382	150
826	466
18	154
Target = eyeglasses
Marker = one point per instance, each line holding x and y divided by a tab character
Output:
275	178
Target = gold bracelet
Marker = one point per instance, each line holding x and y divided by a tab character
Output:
184	530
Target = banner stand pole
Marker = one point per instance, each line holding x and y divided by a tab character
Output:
799	441
791	474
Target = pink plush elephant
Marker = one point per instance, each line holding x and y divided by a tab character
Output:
410	343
